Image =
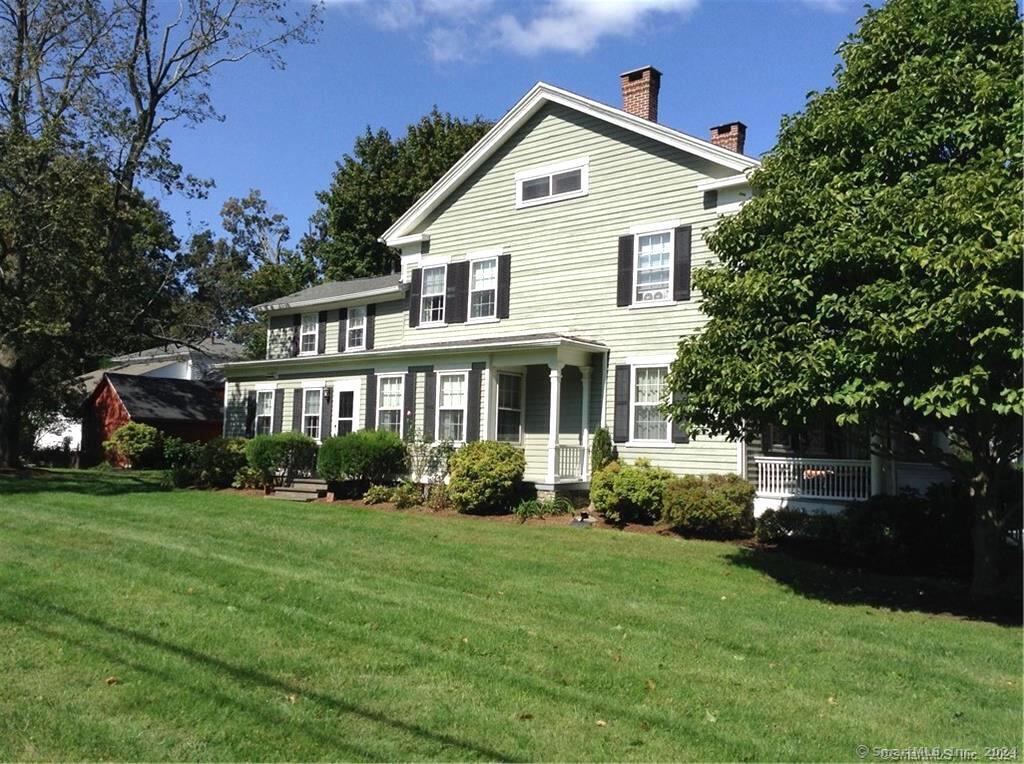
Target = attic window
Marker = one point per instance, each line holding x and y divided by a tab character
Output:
552	183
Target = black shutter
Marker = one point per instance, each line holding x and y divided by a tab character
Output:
473	402
429	404
371	400
456	294
415	288
409	403
297	411
371	312
504	283
296	325
681	287
250	413
679	433
625	287
321	333
342	328
278	411
621	427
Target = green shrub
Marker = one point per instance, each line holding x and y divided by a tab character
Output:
182	460
437	498
377	494
629	494
220	459
406	495
264	454
778	525
137	445
485	476
248	477
601	450
527	508
374	456
298	453
719	506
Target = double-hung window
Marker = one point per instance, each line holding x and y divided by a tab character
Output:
653	267
451	407
264	412
432	295
356	328
389	404
312	405
540	185
650	389
308	333
483	288
510	407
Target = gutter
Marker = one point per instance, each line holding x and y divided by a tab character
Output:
270	307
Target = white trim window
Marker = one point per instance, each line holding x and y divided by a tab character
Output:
652	267
308	332
483	288
264	423
509	426
451	407
432	294
650	389
355	329
390	399
553	183
312	410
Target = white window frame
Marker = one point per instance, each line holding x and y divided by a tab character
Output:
320	412
482	257
465	402
549	171
498	408
401	405
442	295
273	401
315	333
637	235
349	345
633	440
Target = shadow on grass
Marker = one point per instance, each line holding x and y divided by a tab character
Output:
249	676
91	482
847	586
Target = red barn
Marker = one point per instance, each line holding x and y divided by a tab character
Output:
180	407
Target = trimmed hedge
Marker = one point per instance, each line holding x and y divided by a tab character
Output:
373	456
286	452
485	476
716	506
220	459
139	445
629	493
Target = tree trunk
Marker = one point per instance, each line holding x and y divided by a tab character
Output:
986	533
11	412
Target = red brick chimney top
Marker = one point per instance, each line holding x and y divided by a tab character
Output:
640	92
731	135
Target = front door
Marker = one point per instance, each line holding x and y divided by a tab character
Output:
346	407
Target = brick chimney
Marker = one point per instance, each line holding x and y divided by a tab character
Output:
731	135
640	92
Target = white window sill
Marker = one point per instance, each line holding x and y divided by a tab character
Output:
653	304
650	444
550	200
306	353
354	350
432	325
483	320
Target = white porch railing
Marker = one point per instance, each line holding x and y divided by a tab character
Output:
785	477
570	462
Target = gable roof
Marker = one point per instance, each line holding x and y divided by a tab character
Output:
215	347
164	399
539	95
333	291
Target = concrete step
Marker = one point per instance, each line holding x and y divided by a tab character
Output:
296	493
310	483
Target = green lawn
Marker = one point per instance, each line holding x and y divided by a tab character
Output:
242	628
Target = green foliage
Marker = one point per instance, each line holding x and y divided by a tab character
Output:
629	494
264	454
182	460
139	446
530	508
715	506
298	453
407	495
428	459
601	450
375	456
485	476
437	498
774	526
219	461
375	184
248	477
377	494
876	276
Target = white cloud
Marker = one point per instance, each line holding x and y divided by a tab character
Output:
577	26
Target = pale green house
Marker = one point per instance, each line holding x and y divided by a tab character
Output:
544	285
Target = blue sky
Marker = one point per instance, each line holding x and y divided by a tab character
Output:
384	64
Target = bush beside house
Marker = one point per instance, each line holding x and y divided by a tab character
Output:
135	445
713	506
366	456
485	476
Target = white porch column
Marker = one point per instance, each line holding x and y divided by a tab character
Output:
555	397
586	371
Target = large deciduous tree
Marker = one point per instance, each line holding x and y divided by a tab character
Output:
376	183
876	276
86	89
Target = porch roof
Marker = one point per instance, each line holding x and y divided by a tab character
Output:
539	341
